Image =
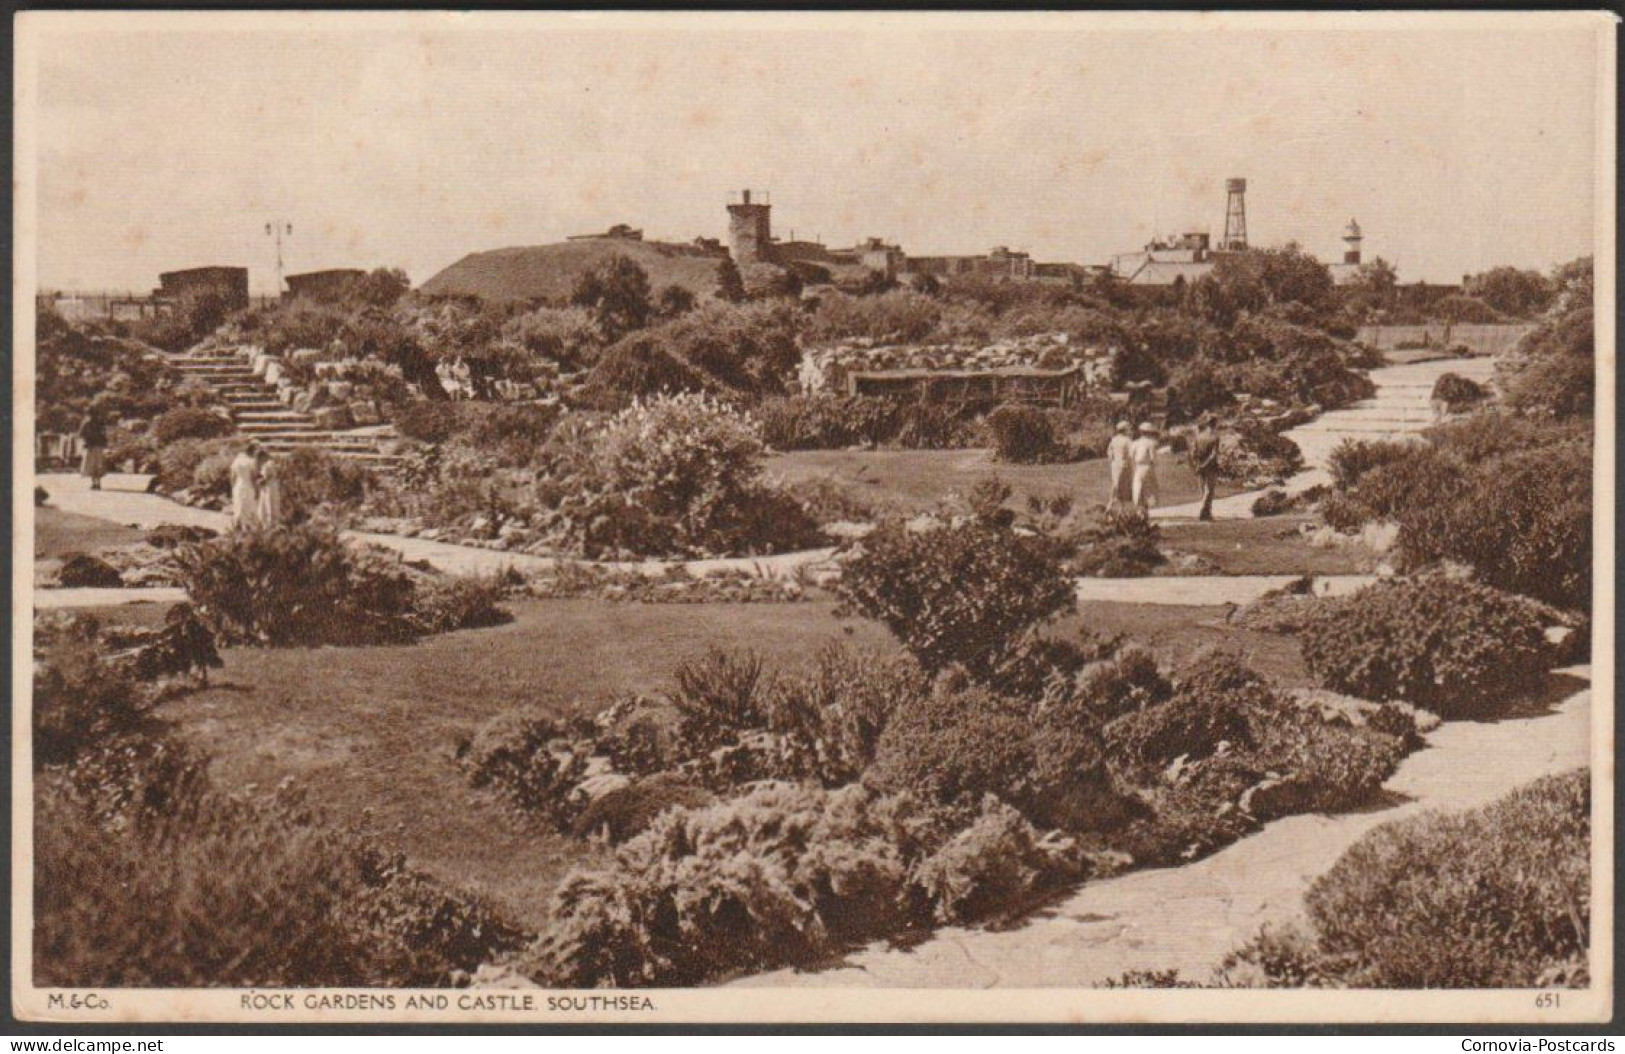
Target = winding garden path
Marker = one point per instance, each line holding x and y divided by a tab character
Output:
124	500
1402	406
1189	917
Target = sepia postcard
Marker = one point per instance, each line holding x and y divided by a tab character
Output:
962	517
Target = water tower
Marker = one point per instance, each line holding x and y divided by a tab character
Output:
1235	214
750	231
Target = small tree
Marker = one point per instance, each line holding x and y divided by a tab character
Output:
963	593
730	283
380	287
617	293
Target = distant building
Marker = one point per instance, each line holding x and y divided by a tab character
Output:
1000	263
1169	261
622	231
230	283
322	286
750	231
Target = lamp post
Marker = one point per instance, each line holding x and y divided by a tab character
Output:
276	229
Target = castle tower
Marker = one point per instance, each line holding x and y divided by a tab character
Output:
1235	215
1351	243
750	231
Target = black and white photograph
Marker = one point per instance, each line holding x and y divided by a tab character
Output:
959	517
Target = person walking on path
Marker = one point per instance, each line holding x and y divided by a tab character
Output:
93	438
244	492
1204	455
1119	468
1143	454
268	510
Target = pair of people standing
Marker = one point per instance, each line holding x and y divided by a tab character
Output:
1133	465
256	490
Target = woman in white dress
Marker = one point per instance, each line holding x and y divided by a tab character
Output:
270	496
244	492
1143	454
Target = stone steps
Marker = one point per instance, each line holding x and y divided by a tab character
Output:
258	412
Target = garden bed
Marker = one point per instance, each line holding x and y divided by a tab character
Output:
368	731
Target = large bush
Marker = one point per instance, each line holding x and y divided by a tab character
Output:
678	474
1450	646
304	585
1497	897
1553	370
956	593
1523	522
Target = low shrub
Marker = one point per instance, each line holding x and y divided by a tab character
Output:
992	866
1495	897
823	421
1351	459
427	420
312	479
627	811
239	895
190	423
1253	454
531	759
1022	435
1210	705
959	593
956	743
1458	393
450	602
178	464
79	699
778	876
1122	544
1450	646
717	697
832	714
1419	478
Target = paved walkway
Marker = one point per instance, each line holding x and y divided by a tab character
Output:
1401	407
1189	917
123	499
1197	590
54	599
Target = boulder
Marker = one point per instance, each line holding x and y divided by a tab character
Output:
365	414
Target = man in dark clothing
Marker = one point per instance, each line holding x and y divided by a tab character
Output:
1205	461
93	438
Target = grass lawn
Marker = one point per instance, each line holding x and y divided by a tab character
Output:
1177	632
912	481
374	728
58	534
369	733
1269	545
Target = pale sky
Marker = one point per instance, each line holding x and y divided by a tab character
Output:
411	141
